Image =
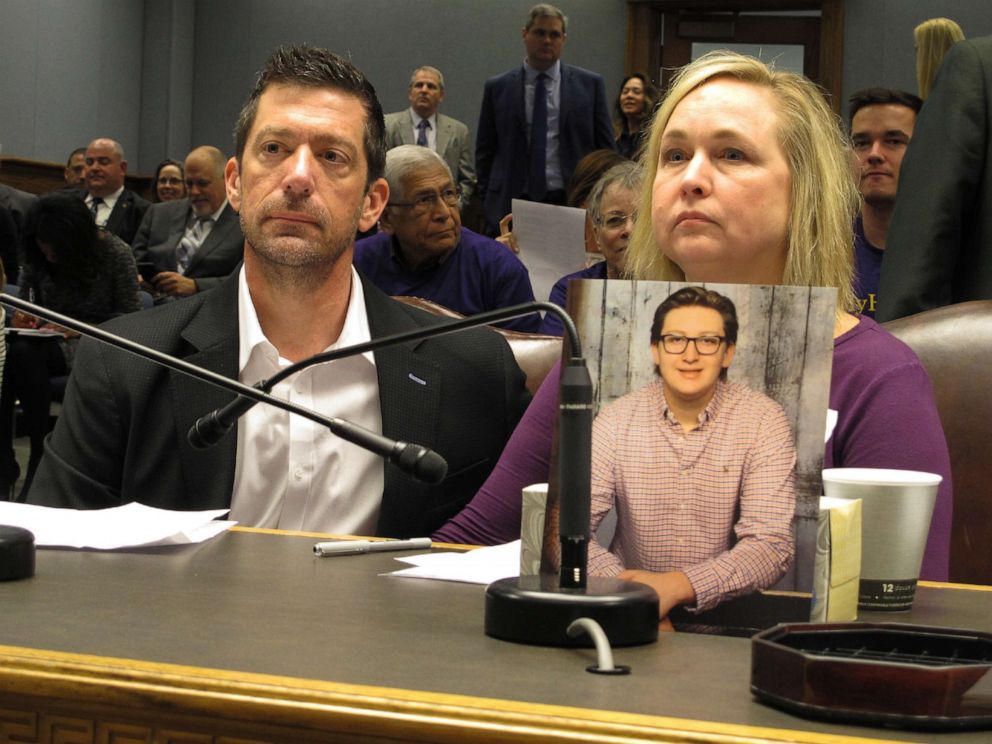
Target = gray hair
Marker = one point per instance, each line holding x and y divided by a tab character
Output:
627	175
407	159
546	10
432	71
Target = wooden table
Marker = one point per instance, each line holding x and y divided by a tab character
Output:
251	638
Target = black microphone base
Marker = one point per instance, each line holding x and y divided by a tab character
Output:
535	610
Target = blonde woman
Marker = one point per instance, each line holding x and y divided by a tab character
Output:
748	180
932	39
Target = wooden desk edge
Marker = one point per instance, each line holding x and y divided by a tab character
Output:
144	691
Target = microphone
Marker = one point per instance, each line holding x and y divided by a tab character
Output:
420	462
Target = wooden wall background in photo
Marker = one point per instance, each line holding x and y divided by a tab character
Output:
784	349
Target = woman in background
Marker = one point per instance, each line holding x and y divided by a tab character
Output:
632	113
74	268
170	181
611	207
932	39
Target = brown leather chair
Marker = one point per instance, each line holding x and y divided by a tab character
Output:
535	353
955	345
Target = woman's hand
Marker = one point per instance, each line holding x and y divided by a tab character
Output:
23	320
506	236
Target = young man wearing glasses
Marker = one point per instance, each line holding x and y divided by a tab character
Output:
424	251
700	469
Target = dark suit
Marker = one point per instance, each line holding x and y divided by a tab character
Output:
501	144
163	227
18	202
452	144
126	215
939	246
122	433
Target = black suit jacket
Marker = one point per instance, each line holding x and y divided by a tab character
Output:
939	246
126	216
163	227
122	433
18	202
501	144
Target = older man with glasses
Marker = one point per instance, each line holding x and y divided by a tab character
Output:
424	251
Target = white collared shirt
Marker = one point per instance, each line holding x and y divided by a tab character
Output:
208	225
103	211
431	130
292	473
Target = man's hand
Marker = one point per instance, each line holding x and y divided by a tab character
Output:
21	319
673	589
176	285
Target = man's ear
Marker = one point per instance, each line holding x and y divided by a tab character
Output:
375	202
232	182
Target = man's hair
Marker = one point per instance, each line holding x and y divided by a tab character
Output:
626	175
881	97
933	39
546	10
824	196
697	297
404	160
313	67
432	70
74	153
116	146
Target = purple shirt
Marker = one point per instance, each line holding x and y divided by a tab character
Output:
479	274
887	418
867	269
552	326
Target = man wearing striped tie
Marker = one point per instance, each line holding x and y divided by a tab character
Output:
189	245
115	207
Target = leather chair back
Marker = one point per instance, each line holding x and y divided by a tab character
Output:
954	343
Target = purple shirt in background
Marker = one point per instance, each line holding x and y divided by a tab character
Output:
552	326
867	269
479	274
887	418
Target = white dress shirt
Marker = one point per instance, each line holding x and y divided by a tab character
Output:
292	473
103	210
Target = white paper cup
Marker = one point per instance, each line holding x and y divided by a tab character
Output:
897	506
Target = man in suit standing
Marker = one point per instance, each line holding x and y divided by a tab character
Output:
537	121
939	249
115	208
307	175
192	243
421	124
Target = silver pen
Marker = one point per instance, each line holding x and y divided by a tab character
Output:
356	547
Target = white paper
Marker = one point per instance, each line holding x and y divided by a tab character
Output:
128	526
479	566
39	332
552	242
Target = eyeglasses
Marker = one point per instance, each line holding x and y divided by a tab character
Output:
676	343
170	180
426	202
616	221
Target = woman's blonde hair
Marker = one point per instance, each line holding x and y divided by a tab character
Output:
824	196
933	38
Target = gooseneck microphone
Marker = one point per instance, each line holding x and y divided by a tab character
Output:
420	462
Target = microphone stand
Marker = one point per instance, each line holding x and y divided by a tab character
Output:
528	609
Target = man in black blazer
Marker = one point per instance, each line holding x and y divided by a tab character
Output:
509	161
116	208
939	248
307	175
192	243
